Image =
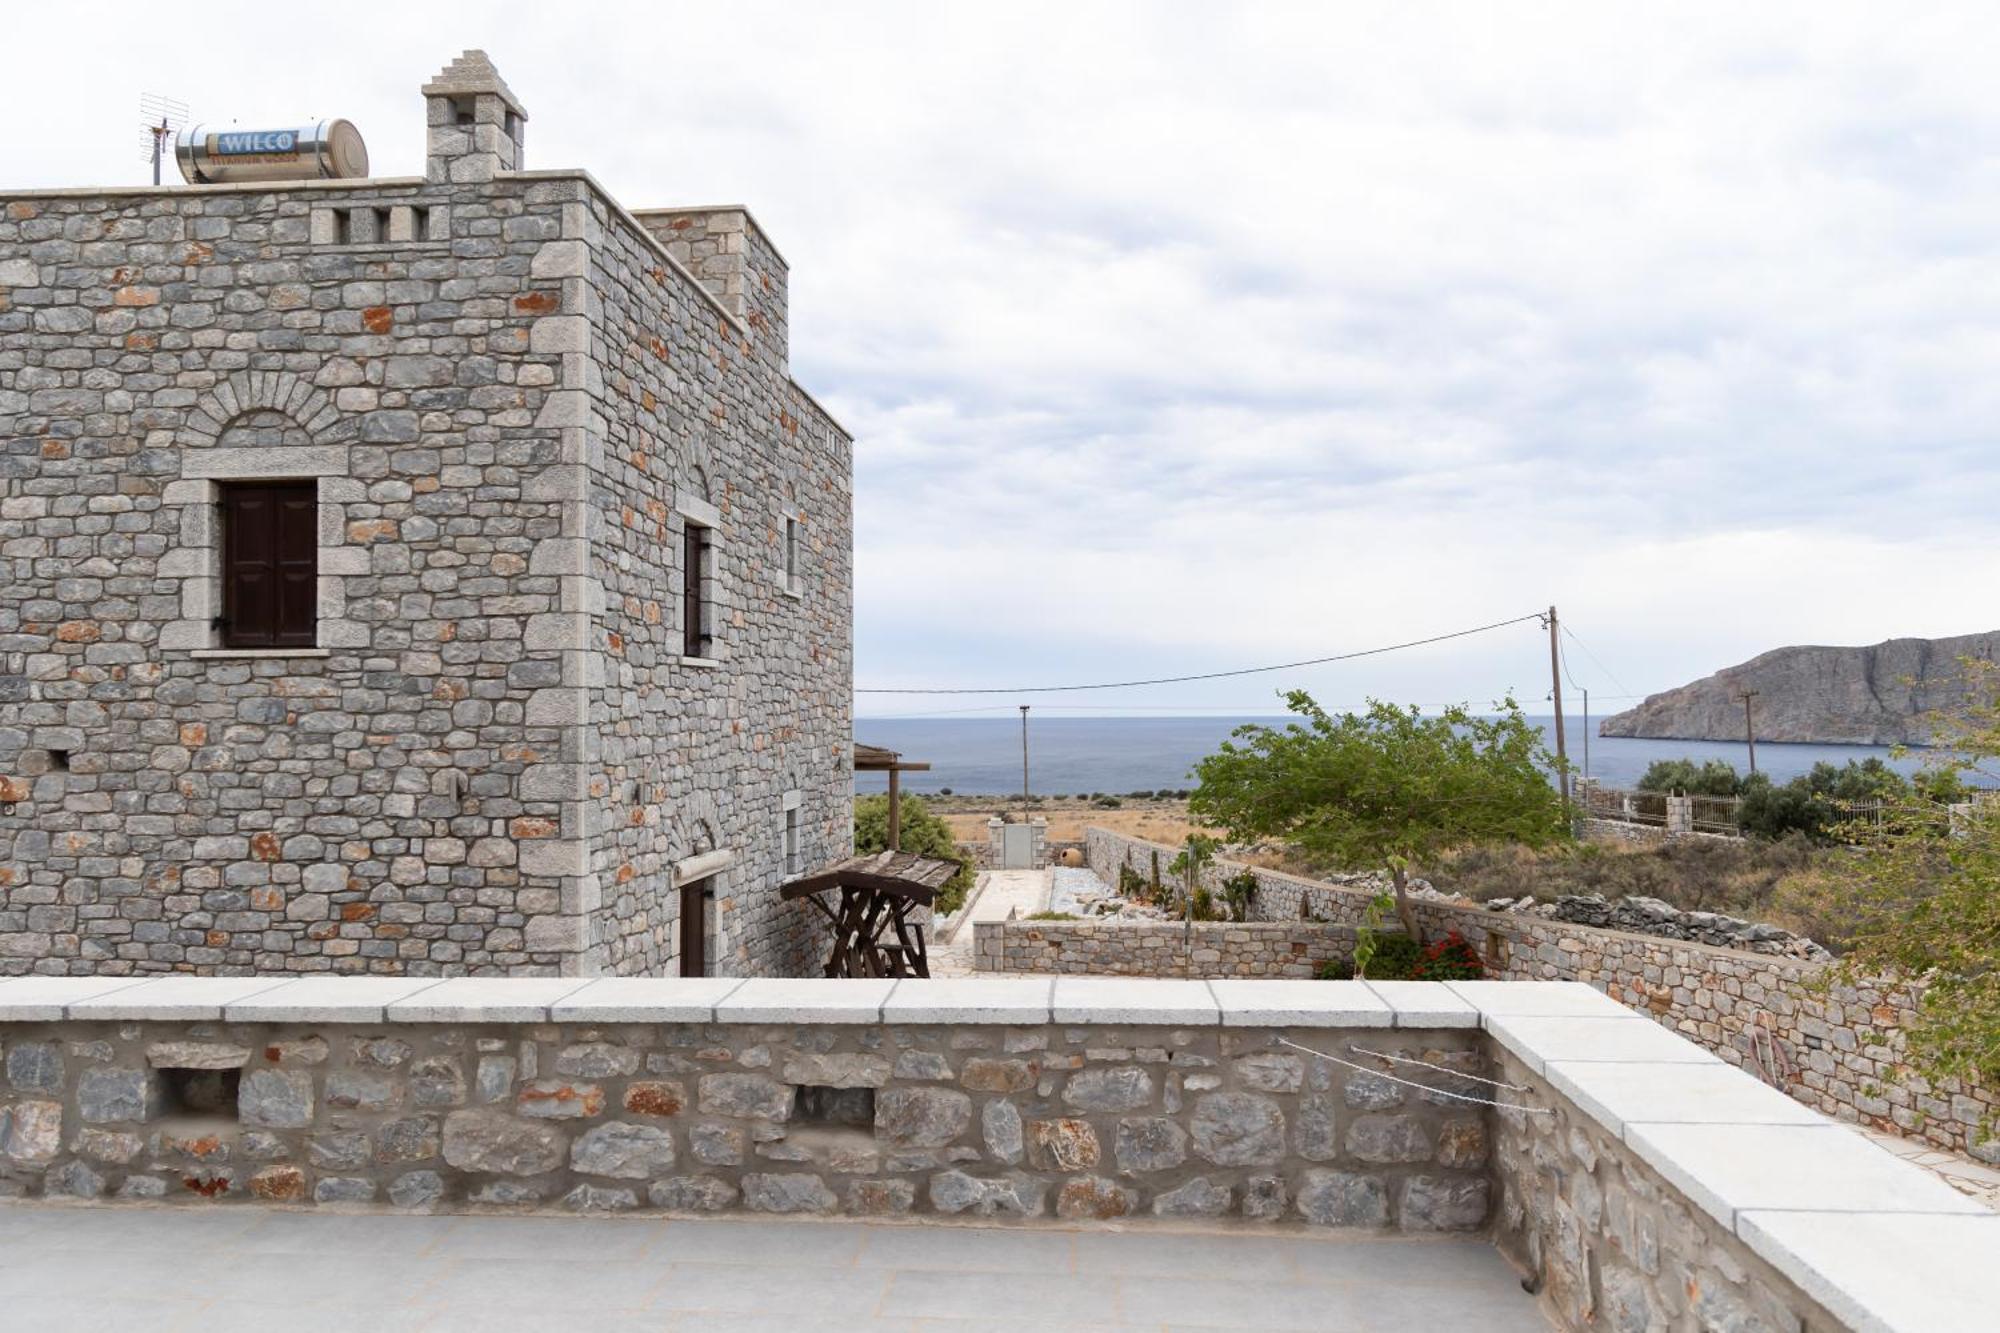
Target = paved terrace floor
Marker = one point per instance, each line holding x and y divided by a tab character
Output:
244	1267
996	894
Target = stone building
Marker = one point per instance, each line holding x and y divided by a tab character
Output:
412	575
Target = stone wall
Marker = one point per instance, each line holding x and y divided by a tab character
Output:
494	756
1639	1181
1839	1051
786	1102
1159	949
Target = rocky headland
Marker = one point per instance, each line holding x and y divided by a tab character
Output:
1881	694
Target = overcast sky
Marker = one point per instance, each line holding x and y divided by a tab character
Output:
1180	338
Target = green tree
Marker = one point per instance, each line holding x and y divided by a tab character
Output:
1920	901
1714	778
1388	787
923	833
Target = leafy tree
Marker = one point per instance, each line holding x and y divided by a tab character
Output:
1715	778
923	833
1921	897
1387	787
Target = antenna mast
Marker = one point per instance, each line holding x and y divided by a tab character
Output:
161	115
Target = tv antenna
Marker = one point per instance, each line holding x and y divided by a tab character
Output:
162	116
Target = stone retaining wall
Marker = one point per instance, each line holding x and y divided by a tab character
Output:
1159	949
1840	1052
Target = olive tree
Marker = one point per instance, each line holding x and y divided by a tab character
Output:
1918	900
921	832
1387	787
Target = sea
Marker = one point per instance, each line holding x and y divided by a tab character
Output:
1069	756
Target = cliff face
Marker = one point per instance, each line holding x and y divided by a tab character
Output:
1877	695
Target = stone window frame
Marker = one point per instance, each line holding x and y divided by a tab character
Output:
690	508
197	494
791	578
792	833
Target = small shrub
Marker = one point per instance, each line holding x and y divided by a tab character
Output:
1396	959
944	791
1107	803
1334	969
1204	906
1132	884
1236	891
1450	959
1052	916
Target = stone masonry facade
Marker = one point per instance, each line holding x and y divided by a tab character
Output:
1838	1050
512	397
1210	949
1087	1120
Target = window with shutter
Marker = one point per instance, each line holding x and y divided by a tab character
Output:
270	564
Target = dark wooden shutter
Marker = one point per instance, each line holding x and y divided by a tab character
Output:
694	564
695	900
270	564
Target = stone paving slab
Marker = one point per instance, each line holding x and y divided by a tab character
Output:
177	1270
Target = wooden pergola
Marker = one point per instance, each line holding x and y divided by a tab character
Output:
877	893
875	759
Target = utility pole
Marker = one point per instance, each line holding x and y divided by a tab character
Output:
1750	726
1586	731
1024	763
1555	679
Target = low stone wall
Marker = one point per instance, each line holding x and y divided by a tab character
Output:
1640	1181
1839	1051
1159	948
781	1097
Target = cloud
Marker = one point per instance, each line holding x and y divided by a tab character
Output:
1182	336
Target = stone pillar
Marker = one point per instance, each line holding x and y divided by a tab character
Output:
476	125
1040	857
1680	815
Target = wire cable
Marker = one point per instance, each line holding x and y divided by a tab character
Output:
1601	667
1206	675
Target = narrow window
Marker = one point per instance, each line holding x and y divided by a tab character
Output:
792	841
382	232
698	928
343	226
791	553
420	225
270	564
694	605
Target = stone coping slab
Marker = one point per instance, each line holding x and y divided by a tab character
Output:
485	1000
173	999
326	1000
1135	1000
1732	1169
1627	1039
1876	1272
1425	1004
1536	999
47	999
1300	1004
1617	1094
1027	1001
806	1000
644	1000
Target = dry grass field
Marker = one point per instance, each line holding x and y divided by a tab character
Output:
1159	820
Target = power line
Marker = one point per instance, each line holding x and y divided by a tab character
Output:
1601	667
1206	675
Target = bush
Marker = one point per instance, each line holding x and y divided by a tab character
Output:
923	833
1133	885
1714	778
1450	959
944	791
1052	916
1396	958
1334	969
1107	802
1237	891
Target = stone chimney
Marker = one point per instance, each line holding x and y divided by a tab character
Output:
476	123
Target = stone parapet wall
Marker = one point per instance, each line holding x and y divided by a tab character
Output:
816	1097
1641	1182
1159	949
1839	1051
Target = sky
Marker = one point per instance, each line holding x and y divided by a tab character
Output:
1177	338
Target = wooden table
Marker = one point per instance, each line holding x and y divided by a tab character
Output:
873	935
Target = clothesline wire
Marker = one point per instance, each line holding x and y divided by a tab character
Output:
1421	1087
